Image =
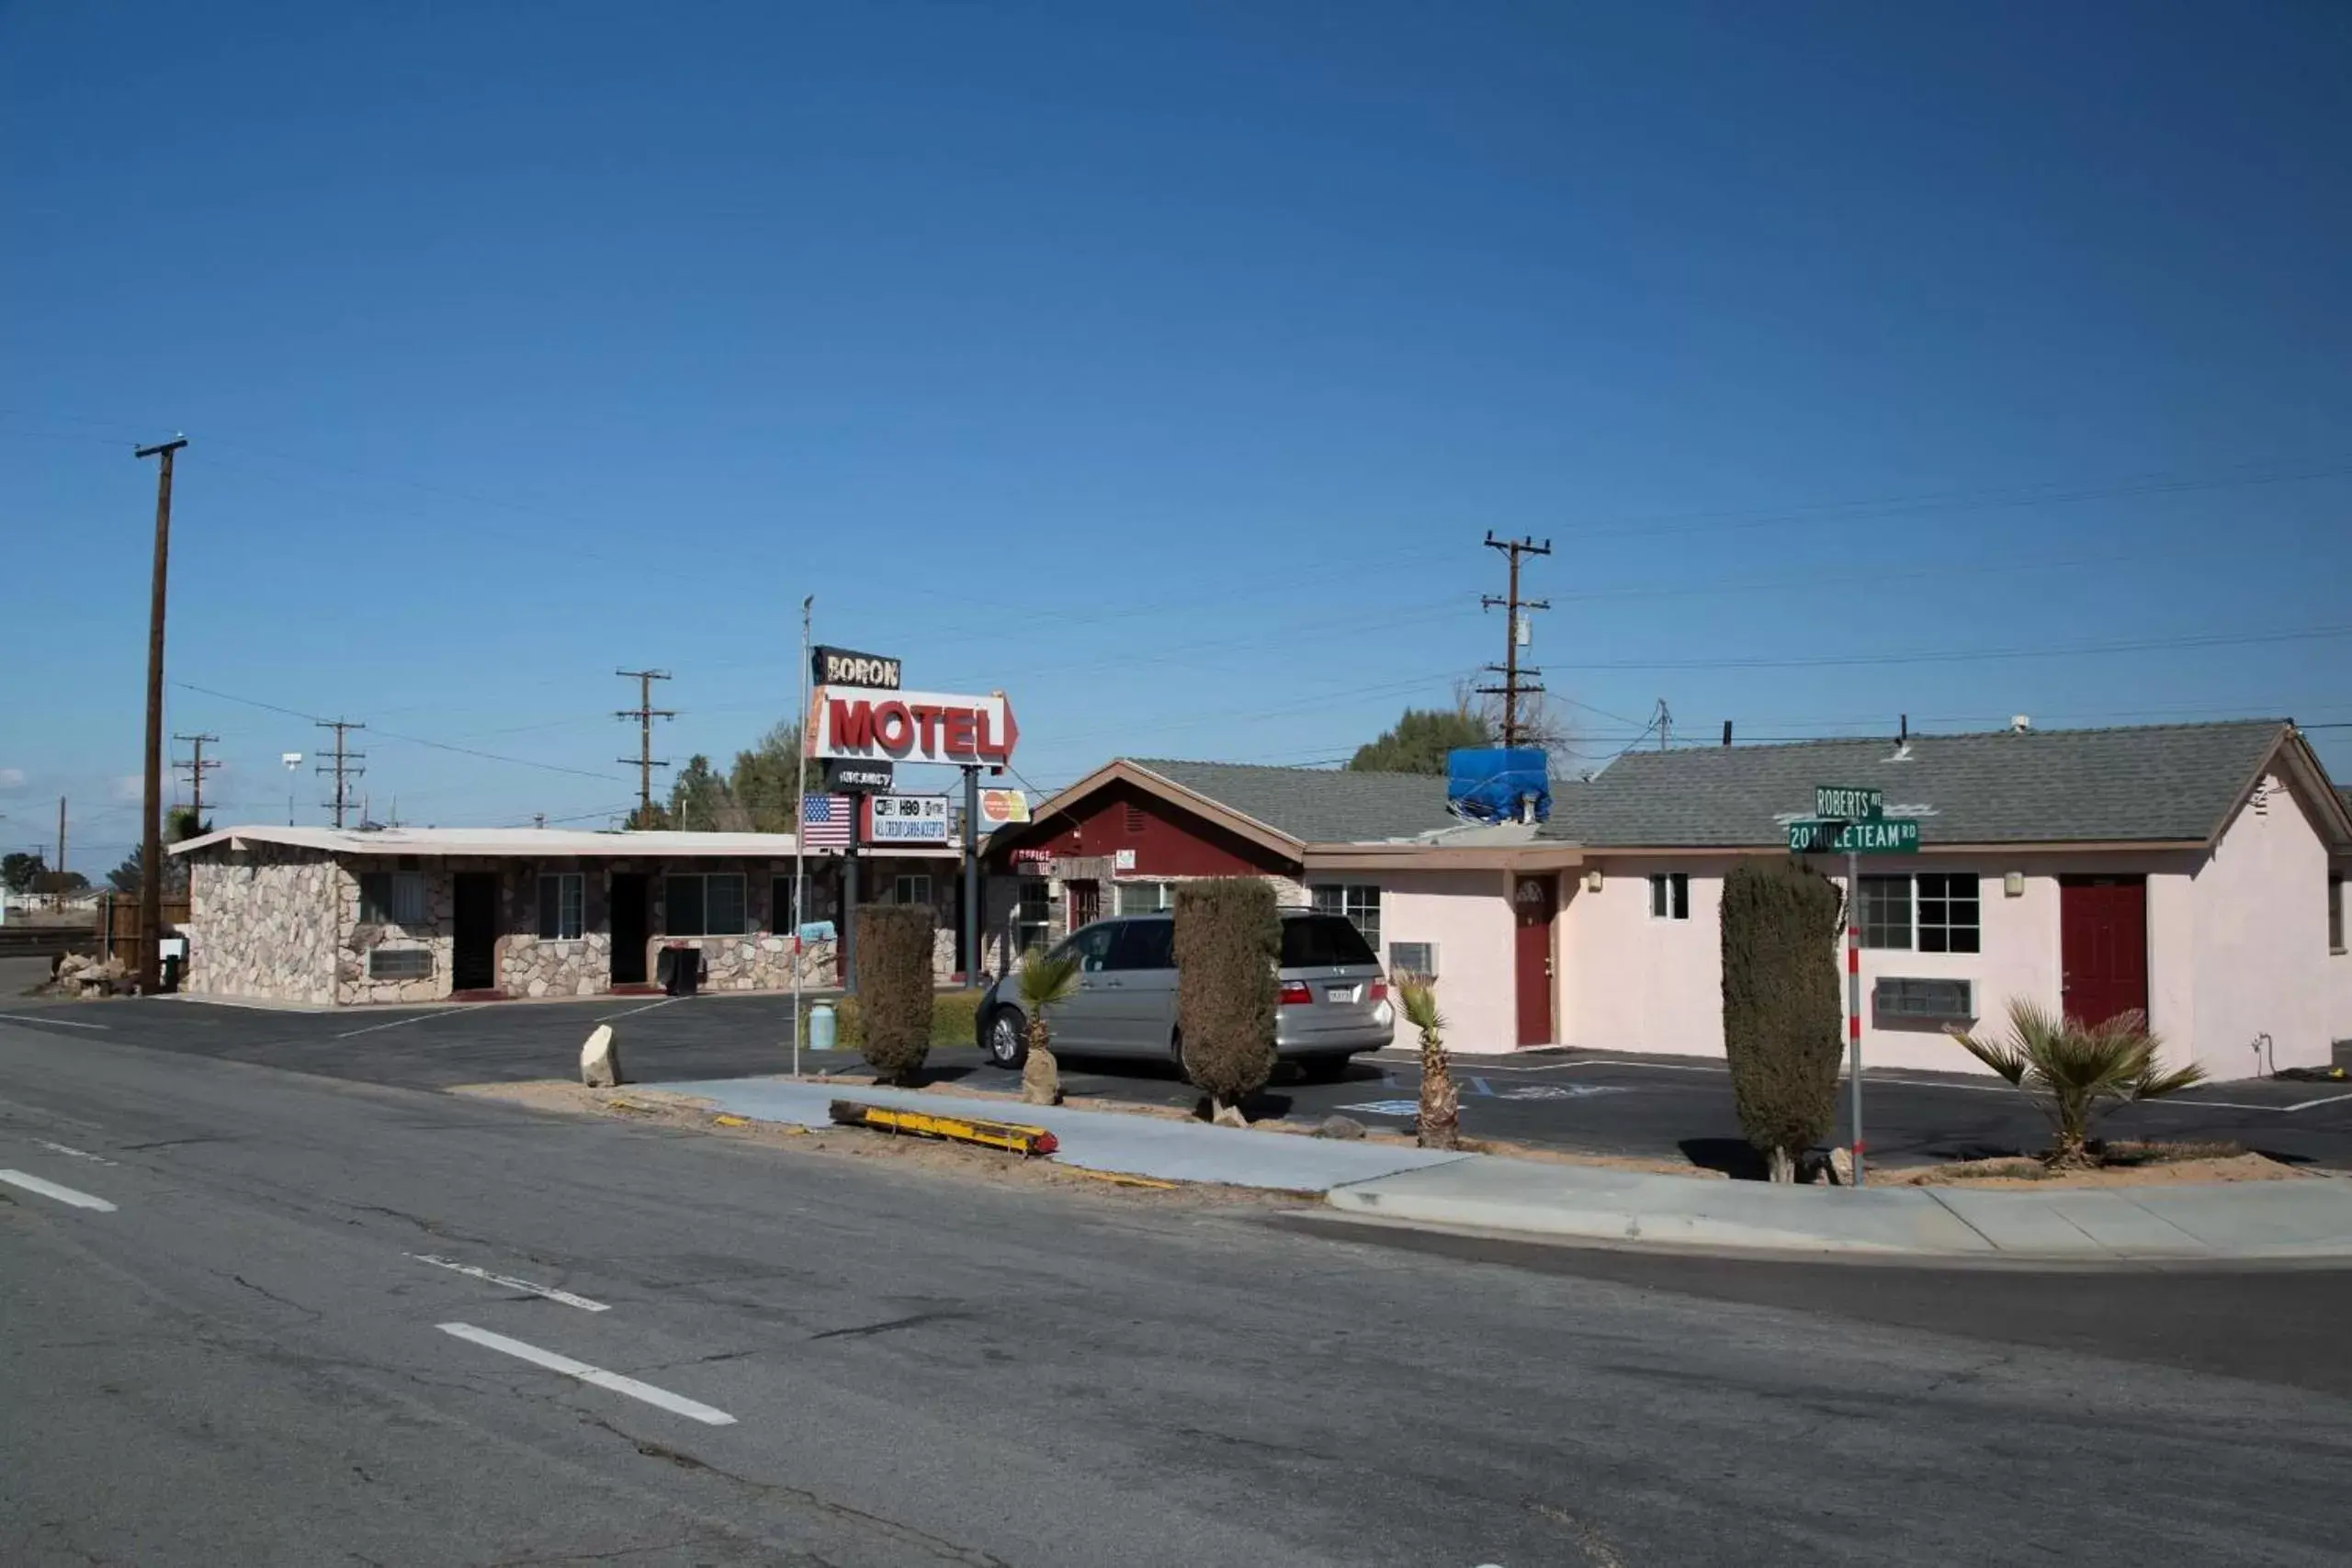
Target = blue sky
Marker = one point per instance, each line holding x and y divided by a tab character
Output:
1162	366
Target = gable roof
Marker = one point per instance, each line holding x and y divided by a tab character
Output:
1316	805
2176	784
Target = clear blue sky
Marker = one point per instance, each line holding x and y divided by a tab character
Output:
1164	366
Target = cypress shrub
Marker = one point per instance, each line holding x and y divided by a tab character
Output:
894	988
1781	1008
1229	940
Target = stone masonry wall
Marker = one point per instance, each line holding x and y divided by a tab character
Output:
262	923
532	966
359	940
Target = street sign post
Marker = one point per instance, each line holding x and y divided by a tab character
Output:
1852	819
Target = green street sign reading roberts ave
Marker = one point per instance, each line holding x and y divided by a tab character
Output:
1842	803
1871	836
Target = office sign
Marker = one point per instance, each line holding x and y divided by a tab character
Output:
906	820
876	725
1847	803
845	667
1871	836
844	776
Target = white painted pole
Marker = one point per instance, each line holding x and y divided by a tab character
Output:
799	846
1854	996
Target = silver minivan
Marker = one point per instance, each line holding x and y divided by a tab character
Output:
1333	1001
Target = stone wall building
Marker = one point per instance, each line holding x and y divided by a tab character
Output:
338	917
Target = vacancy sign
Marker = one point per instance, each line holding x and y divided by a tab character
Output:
873	724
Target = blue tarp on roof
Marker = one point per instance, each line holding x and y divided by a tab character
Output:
1487	784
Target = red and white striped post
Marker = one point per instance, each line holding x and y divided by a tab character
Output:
1854	998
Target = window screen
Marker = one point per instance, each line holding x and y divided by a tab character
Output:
1886	912
1948	912
561	908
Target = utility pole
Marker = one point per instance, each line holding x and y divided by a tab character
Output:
151	853
1664	725
645	713
60	836
196	766
800	838
1515	682
341	767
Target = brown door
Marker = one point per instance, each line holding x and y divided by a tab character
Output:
1532	901
629	928
1085	903
2103	945
473	958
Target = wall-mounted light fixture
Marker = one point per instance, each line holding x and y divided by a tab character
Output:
2013	884
1592	880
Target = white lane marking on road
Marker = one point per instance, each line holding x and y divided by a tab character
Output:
676	1403
511	1283
420	1018
51	1190
37	1018
632	1012
2301	1104
77	1154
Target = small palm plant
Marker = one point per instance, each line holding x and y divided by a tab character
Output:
1441	1108
1046	981
2073	1070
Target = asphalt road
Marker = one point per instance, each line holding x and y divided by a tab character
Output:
1660	1107
248	1359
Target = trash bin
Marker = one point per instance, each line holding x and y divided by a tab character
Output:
680	968
820	1027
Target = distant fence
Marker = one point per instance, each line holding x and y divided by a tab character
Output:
115	927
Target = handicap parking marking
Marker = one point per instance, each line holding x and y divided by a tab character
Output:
1564	1091
1387	1107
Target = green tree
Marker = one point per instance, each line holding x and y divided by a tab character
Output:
127	877
1781	1010
180	824
766	779
2073	1070
19	870
1228	939
1420	740
700	801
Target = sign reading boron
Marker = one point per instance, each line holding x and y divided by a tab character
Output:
911	726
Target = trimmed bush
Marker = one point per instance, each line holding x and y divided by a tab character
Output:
894	988
1229	940
1781	1007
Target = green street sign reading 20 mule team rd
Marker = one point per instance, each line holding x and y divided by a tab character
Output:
1871	836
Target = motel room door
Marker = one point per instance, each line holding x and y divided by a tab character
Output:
1533	900
474	959
630	925
2103	945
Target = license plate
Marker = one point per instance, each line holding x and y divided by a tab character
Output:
1339	993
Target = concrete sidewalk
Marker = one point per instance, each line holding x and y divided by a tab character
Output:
2248	1220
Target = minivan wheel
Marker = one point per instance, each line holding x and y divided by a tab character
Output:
1008	1038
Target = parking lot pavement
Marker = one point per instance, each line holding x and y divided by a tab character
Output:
1661	1107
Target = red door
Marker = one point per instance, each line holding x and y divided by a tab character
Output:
1533	899
2103	945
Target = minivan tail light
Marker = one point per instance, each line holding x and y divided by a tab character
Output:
1293	992
1376	992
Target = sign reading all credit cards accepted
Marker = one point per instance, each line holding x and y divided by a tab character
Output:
906	820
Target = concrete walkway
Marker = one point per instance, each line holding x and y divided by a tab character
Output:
2249	1220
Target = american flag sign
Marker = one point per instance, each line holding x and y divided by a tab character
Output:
827	820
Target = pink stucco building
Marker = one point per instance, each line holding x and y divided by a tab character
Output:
2195	871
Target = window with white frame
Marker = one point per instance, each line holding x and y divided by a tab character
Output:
704	904
1948	912
911	889
392	898
1146	898
2336	914
562	905
1032	917
1886	912
1359	901
1670	895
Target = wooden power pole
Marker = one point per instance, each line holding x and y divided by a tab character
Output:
1516	683
645	713
198	764
150	852
341	767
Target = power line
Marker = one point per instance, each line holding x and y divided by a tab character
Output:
1963	656
395	734
645	713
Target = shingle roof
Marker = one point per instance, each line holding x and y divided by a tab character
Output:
2156	782
1318	806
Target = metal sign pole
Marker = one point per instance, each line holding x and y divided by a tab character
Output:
799	840
972	877
1854	996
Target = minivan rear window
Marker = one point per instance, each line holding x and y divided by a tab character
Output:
1315	941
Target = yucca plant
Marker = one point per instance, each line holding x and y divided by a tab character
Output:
1441	1108
2073	1070
1046	982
